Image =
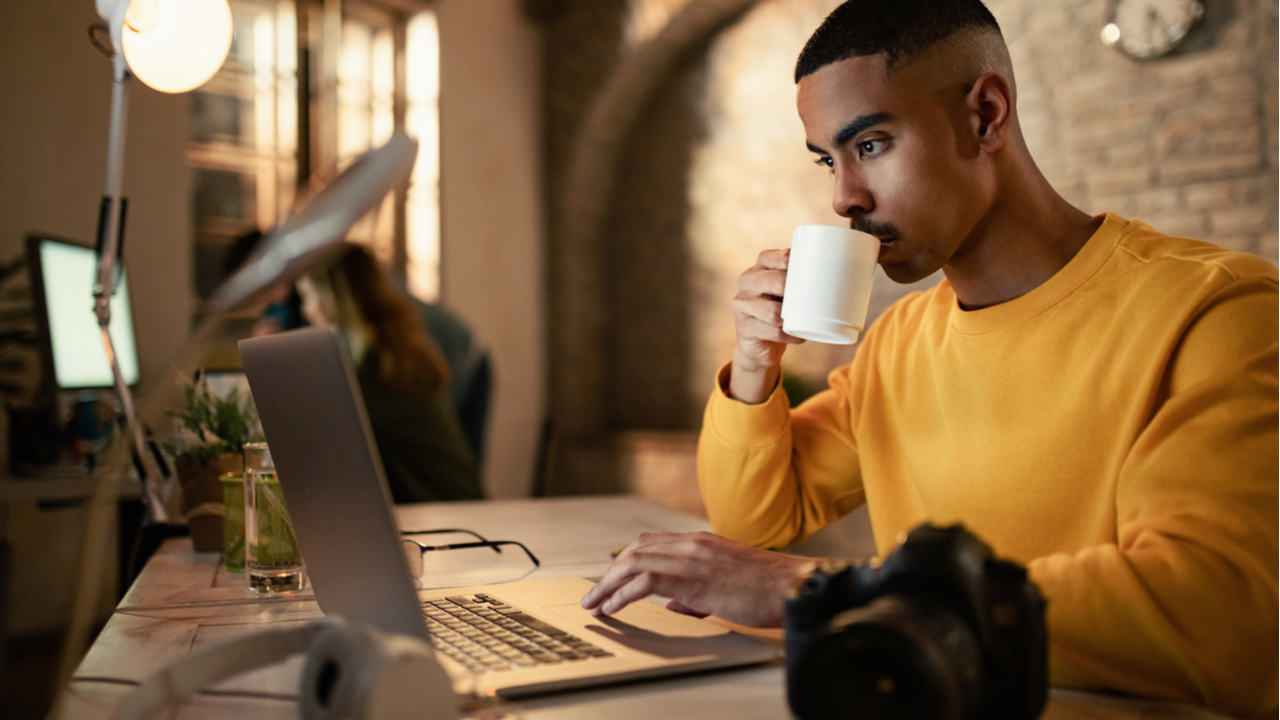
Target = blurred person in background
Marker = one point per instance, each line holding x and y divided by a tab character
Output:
402	375
470	370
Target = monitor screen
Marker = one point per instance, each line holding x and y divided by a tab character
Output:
63	276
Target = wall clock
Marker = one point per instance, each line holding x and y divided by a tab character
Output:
1147	29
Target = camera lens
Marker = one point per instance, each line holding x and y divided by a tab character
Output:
901	657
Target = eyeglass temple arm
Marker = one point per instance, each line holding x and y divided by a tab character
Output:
486	543
472	533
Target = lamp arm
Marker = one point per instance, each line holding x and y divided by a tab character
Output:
106	480
104	288
109	233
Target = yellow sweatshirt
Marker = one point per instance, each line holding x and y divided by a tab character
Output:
1115	430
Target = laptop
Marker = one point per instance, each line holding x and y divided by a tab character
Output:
329	469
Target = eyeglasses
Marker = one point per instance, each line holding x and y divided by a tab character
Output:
415	551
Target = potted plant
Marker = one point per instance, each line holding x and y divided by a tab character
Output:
215	430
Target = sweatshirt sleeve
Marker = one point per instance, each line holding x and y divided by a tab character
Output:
1184	604
771	476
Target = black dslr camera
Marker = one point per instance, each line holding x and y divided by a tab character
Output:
941	630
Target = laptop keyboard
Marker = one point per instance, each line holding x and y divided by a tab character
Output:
487	635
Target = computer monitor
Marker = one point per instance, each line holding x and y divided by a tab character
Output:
63	274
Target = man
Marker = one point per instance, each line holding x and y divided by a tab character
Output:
1092	398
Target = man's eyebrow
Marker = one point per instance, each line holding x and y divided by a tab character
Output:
854	127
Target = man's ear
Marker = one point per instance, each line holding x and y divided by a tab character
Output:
990	104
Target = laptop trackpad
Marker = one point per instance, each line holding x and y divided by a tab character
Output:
648	629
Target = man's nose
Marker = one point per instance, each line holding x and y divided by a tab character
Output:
852	196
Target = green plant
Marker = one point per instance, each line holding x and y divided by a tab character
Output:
216	425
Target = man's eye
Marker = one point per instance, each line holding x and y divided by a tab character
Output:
870	148
825	162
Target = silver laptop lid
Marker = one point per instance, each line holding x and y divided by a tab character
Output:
314	418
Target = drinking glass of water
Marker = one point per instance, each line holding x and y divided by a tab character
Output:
272	562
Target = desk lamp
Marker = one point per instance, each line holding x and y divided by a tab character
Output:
173	46
311	238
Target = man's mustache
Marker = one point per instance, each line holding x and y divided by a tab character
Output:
883	231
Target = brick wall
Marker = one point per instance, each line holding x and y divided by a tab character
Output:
1186	142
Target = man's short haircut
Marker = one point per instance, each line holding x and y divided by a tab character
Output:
900	29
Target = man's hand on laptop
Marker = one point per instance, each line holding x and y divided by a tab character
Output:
703	574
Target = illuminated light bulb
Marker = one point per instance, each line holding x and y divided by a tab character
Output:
176	45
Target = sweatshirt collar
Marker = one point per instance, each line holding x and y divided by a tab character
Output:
1075	273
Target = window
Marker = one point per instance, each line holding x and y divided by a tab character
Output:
244	148
371	102
244	138
422	121
366	98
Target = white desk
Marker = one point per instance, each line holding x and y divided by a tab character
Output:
185	600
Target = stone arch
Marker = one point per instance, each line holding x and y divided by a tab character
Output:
587	198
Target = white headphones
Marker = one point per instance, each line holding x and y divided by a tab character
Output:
352	672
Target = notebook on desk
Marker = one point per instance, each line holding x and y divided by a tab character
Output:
507	639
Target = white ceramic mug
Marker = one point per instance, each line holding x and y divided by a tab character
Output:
828	286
